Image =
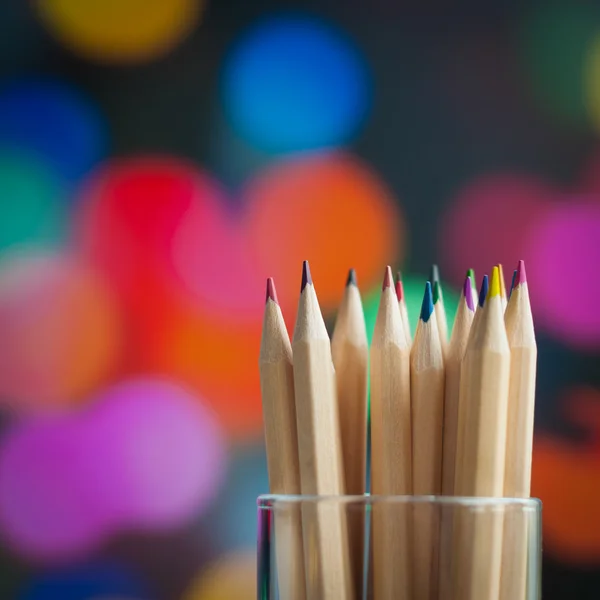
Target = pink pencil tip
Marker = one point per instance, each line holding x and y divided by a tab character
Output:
521	274
271	291
399	288
387	278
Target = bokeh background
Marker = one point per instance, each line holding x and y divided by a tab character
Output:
158	159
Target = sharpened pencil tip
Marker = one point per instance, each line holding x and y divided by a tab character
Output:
399	287
483	291
434	274
427	306
521	274
468	293
306	276
388	279
271	291
512	283
437	291
471	274
495	287
351	278
502	281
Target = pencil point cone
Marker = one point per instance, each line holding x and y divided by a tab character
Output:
483	292
427	306
495	287
388	279
271	291
306	276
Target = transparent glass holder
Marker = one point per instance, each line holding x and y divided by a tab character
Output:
398	548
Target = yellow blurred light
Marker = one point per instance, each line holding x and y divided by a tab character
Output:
233	576
592	82
120	31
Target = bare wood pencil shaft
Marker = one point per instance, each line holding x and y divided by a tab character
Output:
454	357
350	353
519	443
390	449
427	404
328	570
279	409
480	472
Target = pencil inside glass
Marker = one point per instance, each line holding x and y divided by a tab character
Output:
470	512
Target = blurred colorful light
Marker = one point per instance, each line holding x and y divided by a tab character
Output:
60	330
141	201
232	576
33	201
414	287
233	516
489	222
556	38
125	31
92	580
53	122
565	476
146	454
295	83
210	253
330	209
565	241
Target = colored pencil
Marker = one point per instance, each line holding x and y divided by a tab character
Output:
403	308
320	451
427	404
502	287
391	466
350	351
484	388
438	303
454	357
519	442
279	413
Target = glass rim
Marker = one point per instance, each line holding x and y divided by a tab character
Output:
270	501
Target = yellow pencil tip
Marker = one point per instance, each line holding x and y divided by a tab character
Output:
495	289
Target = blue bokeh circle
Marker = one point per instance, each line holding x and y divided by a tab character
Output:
294	83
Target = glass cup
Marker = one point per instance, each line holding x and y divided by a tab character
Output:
398	548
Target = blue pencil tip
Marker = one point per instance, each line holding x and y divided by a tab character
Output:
427	306
483	292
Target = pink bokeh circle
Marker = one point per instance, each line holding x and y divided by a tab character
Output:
564	253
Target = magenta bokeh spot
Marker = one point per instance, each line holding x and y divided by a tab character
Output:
146	454
564	253
489	223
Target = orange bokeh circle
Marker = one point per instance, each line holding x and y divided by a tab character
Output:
565	477
60	330
330	209
170	333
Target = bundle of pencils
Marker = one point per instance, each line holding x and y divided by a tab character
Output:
449	416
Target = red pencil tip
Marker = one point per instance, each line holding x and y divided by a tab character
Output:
399	287
271	291
388	279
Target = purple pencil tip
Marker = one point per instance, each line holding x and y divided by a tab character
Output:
468	293
306	276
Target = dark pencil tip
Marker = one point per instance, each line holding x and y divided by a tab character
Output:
351	278
306	276
437	291
434	274
512	283
399	287
427	306
271	291
483	292
388	279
